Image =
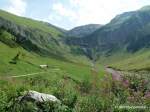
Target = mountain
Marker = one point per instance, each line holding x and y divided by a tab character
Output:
58	28
34	36
127	32
82	31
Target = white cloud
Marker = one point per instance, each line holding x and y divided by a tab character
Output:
61	10
17	7
80	12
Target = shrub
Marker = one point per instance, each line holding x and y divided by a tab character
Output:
68	97
53	107
85	86
15	59
89	104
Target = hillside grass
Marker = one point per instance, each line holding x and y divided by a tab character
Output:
135	61
76	84
30	23
29	63
65	79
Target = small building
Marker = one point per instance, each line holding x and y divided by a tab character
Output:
43	66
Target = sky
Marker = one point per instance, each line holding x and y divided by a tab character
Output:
71	13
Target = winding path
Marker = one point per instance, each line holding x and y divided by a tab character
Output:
116	75
16	76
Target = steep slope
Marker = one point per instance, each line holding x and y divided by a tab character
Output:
82	31
127	32
35	36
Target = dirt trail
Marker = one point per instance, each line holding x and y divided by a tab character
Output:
16	76
31	74
116	75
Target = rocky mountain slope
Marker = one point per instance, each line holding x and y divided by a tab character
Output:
127	32
82	31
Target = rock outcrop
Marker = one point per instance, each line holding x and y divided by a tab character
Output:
35	96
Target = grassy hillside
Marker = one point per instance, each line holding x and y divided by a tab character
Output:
25	22
36	36
137	62
126	61
78	86
29	63
68	81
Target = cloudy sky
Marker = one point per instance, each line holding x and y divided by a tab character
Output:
70	13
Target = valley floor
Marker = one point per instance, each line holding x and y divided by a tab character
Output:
81	87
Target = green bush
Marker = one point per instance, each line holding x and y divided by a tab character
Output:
85	86
67	97
53	107
3	101
89	104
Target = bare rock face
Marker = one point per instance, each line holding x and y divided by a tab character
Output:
38	97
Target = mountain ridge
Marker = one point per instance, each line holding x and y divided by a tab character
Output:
84	30
127	32
124	32
34	36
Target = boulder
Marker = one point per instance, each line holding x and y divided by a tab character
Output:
38	97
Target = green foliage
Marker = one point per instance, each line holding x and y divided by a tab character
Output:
79	87
77	50
3	101
15	59
138	61
47	82
85	86
89	104
42	107
54	107
7	38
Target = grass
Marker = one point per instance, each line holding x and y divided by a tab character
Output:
64	79
137	61
41	38
29	63
74	83
30	23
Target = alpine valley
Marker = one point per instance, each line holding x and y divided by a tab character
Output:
90	68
